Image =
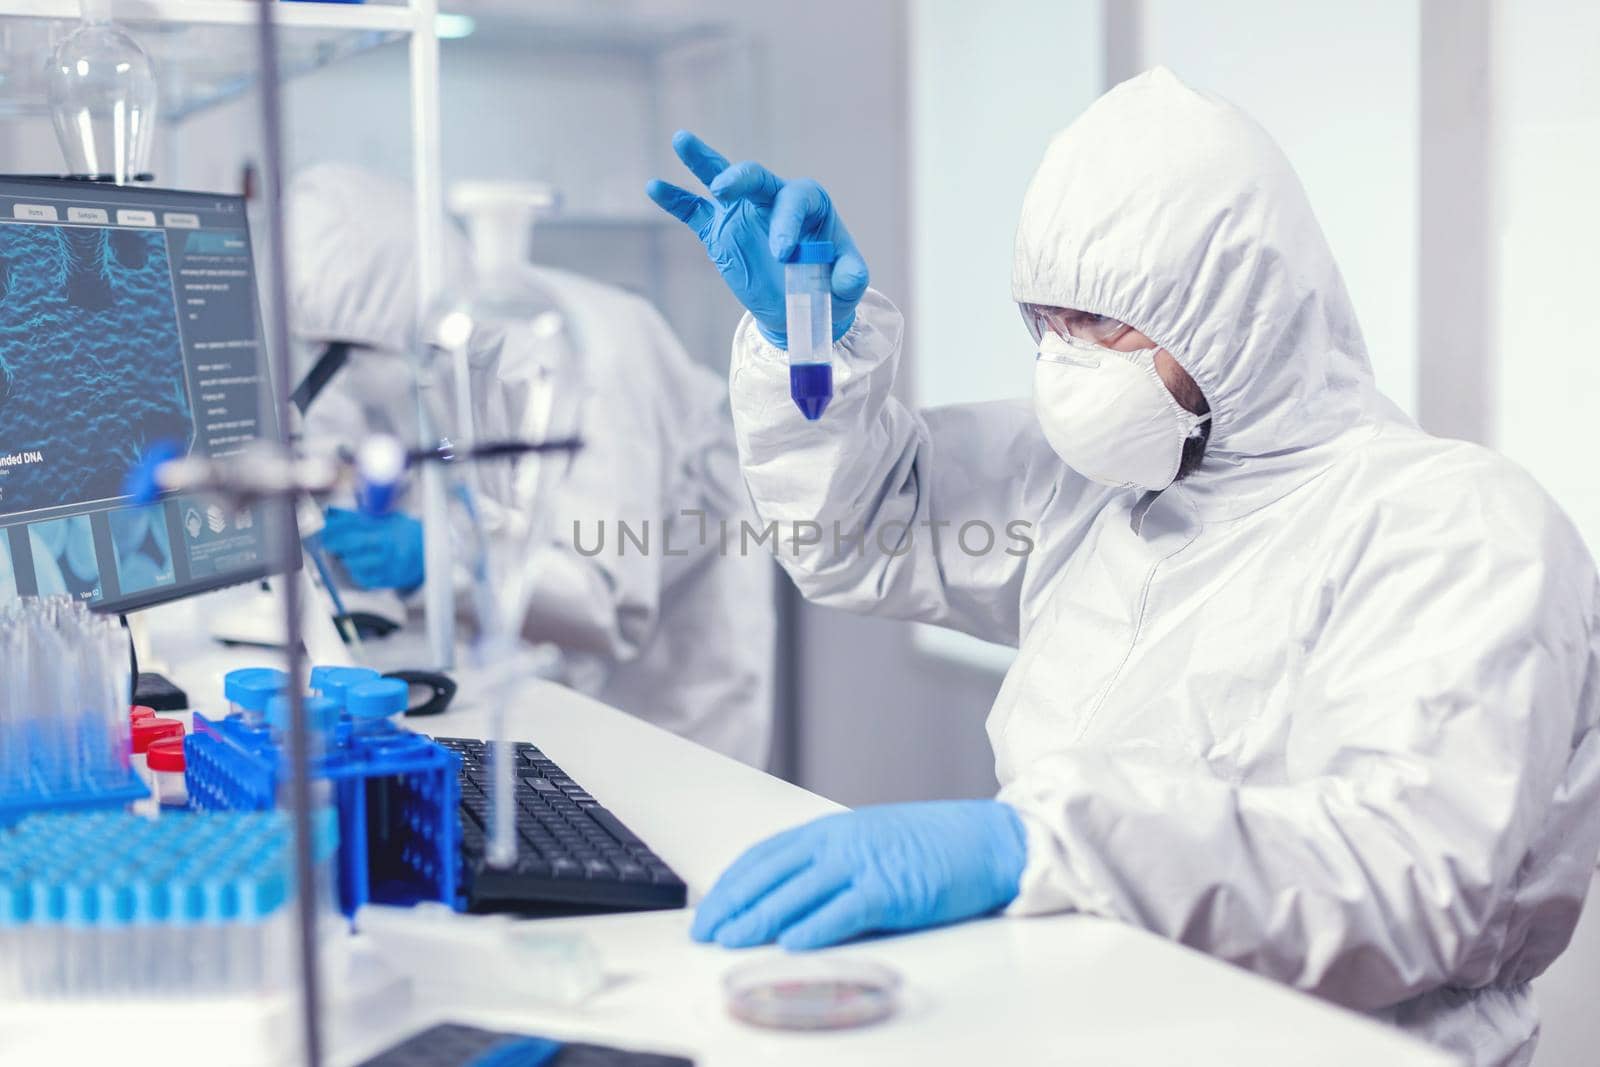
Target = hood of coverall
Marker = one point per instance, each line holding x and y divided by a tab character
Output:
353	278
353	258
1176	213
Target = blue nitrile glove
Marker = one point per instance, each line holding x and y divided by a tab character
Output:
519	1052
754	225
379	551
894	867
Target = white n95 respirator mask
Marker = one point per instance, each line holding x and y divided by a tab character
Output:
1108	415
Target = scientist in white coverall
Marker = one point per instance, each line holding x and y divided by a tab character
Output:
1297	684
682	638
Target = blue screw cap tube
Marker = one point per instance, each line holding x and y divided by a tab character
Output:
335	682
249	689
322	714
370	704
808	304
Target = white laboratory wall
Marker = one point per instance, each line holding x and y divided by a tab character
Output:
1569	1029
1546	375
989	84
1545	378
1336	85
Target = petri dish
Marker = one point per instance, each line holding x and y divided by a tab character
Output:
812	993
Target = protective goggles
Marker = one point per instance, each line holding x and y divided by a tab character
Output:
1084	327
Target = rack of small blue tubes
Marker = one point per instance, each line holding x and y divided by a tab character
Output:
97	900
169	898
64	691
395	792
108	904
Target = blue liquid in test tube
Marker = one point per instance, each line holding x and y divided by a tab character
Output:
808	306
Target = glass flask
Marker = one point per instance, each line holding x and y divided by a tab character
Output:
499	366
102	90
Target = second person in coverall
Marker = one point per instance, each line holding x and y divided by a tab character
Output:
682	638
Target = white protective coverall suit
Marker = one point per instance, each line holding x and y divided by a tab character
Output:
1327	707
681	635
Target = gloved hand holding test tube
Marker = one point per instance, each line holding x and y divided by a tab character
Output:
784	253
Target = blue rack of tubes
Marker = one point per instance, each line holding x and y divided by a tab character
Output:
41	787
116	904
64	688
395	791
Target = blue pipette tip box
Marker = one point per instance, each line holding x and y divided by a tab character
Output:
112	869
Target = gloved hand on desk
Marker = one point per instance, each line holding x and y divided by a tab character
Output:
378	551
753	225
894	867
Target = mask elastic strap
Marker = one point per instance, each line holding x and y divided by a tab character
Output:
1149	367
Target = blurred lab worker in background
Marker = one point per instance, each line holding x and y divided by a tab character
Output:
1297	684
683	639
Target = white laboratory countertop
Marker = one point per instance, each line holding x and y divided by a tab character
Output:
1037	990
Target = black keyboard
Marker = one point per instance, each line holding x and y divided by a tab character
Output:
454	1045
573	856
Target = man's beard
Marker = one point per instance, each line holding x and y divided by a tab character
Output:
1194	450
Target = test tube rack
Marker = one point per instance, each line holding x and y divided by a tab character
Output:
396	794
40	791
64	689
114	904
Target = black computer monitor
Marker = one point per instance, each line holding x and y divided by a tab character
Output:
128	317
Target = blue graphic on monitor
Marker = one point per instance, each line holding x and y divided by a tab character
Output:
215	243
8	573
144	549
91	364
63	558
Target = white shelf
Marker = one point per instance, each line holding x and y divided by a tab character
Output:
204	50
537	30
291	14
